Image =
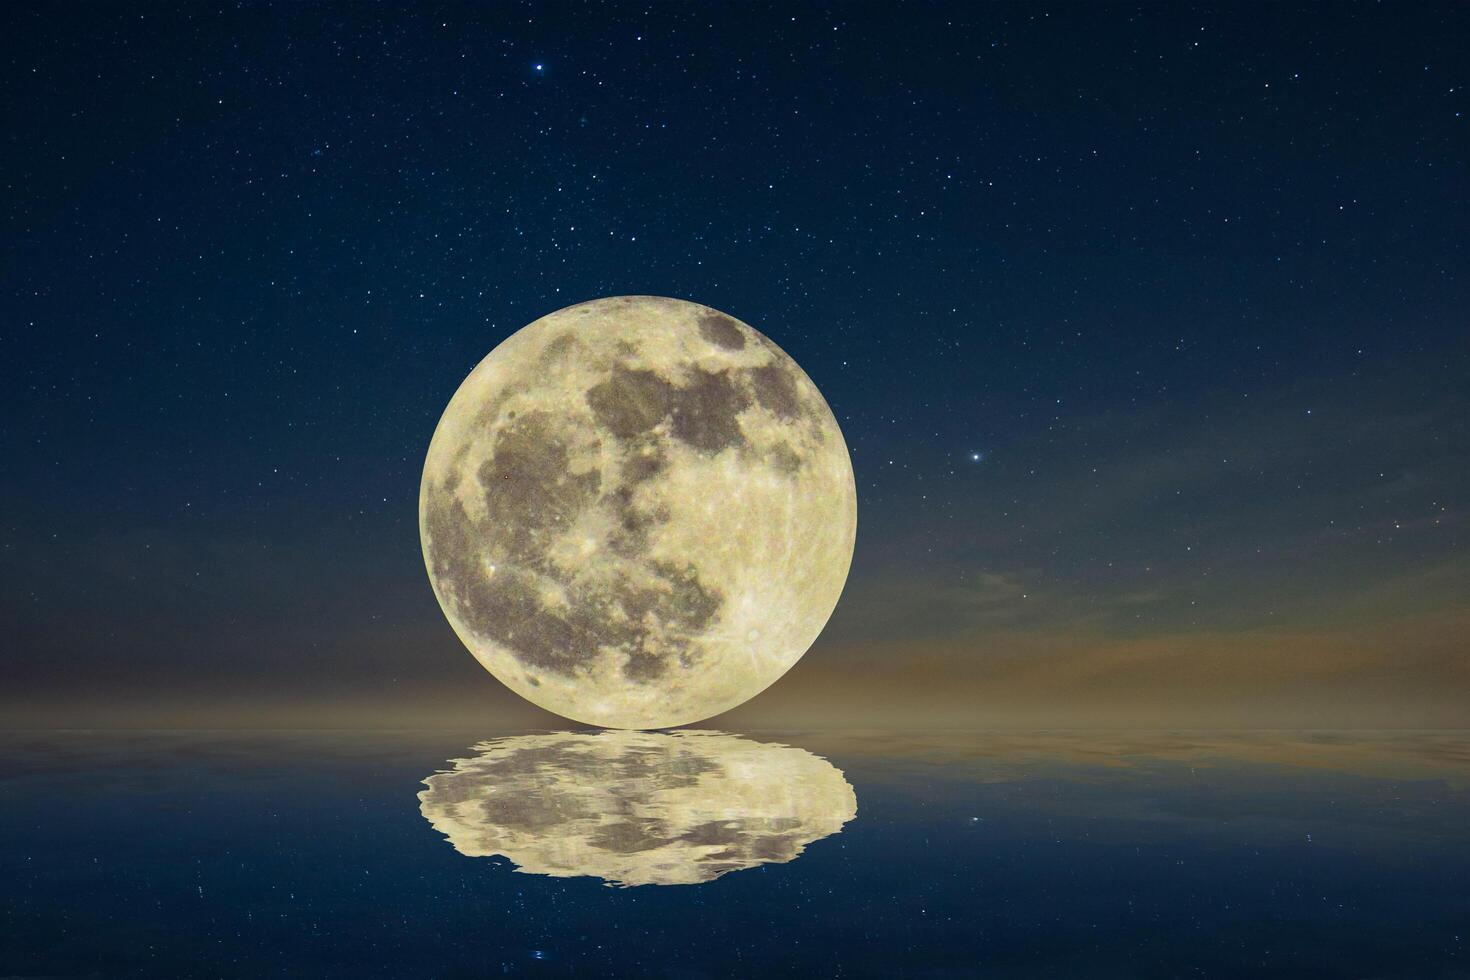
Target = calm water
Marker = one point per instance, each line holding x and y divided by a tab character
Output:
762	854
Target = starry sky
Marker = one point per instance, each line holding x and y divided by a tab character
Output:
1146	328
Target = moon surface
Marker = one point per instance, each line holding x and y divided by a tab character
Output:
637	512
637	808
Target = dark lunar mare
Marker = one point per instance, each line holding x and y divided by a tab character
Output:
530	497
721	330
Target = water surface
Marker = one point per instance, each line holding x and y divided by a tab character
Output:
471	854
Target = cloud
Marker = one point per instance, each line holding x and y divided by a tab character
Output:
1239	510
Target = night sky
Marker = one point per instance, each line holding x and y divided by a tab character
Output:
1147	329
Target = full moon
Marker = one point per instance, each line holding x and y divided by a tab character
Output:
637	512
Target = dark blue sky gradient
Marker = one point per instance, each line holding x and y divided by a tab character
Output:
1190	281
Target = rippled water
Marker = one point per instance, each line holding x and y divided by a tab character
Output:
759	854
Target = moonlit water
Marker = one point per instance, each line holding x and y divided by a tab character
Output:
637	808
1011	855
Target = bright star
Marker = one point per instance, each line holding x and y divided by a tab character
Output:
976	457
